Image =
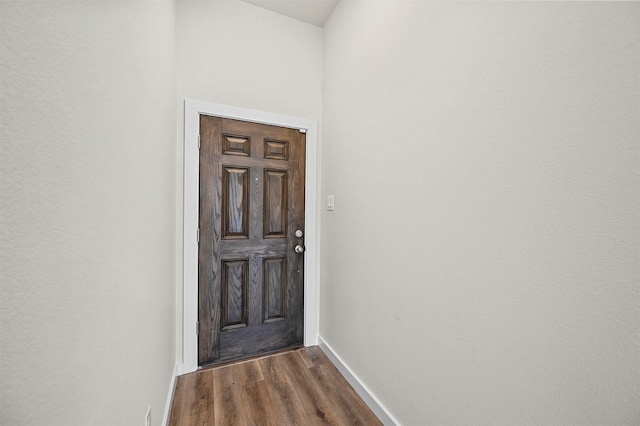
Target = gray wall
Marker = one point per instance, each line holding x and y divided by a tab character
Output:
87	216
481	265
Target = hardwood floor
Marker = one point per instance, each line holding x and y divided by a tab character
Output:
299	387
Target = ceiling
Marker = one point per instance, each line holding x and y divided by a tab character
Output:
314	12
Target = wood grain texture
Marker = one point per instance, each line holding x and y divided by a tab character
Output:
236	145
234	283
275	204
277	150
274	288
295	210
210	218
299	387
193	399
235	202
251	202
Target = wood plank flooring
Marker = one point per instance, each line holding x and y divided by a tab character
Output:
299	387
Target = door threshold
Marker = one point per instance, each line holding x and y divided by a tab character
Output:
248	358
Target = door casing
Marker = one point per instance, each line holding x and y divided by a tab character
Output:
193	110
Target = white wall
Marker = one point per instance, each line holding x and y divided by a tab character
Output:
88	211
234	53
482	263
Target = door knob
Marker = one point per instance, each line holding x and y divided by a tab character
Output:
299	249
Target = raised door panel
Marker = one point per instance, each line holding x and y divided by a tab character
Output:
274	288
236	145
235	202
276	150
234	286
275	204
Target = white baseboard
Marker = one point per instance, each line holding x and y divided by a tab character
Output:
172	388
369	398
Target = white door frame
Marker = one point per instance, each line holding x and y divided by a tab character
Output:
193	110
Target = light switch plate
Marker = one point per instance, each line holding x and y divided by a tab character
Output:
331	204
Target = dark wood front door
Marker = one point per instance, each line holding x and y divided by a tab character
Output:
250	278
